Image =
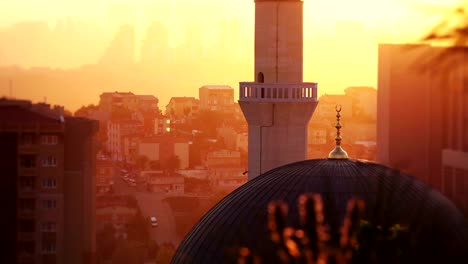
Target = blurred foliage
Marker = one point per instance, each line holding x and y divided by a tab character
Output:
165	253
105	242
453	33
359	240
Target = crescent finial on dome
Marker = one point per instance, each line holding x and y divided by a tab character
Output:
338	152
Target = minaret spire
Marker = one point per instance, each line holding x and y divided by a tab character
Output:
278	105
338	152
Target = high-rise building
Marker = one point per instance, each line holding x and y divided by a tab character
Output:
121	50
155	48
278	105
48	163
423	119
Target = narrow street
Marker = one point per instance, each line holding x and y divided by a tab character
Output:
152	204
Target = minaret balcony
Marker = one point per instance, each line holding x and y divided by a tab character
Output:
277	92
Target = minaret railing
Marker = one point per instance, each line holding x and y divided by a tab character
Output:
278	92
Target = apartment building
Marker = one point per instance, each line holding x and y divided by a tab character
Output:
48	189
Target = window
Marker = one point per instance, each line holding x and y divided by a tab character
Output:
28	161
49	204
27	139
27	182
49	139
49	183
49	161
26	247
49	227
27	226
48	247
27	204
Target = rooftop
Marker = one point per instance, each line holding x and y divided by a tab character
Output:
217	87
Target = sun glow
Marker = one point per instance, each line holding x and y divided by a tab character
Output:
340	37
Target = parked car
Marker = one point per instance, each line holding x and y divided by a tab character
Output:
154	221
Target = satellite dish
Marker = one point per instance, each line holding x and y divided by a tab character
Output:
62	120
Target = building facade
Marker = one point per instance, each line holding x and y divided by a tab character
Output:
422	119
162	149
117	131
216	98
182	107
160	181
49	191
111	101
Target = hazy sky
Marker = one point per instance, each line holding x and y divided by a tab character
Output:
341	36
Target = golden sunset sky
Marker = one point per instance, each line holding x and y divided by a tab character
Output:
340	36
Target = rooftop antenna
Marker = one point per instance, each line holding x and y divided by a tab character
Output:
338	152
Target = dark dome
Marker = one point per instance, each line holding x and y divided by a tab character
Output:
240	219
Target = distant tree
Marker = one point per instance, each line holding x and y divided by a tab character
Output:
85	111
208	121
129	252
121	113
67	112
199	147
155	165
187	111
137	228
106	241
142	162
165	253
153	249
194	185
171	164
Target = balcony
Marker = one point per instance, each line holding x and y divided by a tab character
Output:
26	191
26	236
25	257
29	148
28	171
277	92
26	213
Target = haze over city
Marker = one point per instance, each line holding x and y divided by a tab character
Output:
220	131
340	39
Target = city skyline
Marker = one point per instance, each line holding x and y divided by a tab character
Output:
335	42
181	131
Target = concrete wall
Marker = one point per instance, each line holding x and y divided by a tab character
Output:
279	41
277	134
181	150
150	150
410	120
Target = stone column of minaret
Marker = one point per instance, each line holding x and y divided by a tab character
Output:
278	105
